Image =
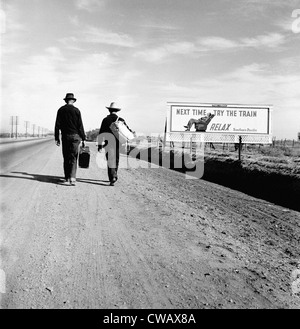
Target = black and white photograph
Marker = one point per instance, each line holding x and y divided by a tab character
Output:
149	157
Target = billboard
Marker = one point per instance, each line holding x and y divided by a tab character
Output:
220	119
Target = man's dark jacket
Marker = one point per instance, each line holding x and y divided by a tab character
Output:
69	121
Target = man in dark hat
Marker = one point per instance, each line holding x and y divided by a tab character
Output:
110	142
69	122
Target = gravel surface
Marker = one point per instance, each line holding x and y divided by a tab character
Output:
154	240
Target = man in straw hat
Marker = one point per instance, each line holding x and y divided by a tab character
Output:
110	142
69	122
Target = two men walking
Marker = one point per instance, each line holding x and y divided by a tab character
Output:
69	122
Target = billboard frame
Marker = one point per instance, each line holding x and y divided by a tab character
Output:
215	137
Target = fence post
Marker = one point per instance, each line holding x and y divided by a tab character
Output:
240	147
193	149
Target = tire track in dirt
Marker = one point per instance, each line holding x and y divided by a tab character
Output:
242	207
235	218
133	275
18	211
151	295
155	240
190	290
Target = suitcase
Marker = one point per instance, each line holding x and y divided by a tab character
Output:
84	156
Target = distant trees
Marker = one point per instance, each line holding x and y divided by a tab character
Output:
92	135
4	135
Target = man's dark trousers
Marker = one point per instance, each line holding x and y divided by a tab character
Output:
70	144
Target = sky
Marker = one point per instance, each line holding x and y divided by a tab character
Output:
142	54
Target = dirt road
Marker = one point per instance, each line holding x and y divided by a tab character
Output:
154	240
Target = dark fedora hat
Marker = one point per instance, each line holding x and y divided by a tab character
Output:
113	107
69	96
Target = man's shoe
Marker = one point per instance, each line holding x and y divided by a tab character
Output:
73	181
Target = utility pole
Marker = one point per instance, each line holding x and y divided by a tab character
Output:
27	124
12	126
17	122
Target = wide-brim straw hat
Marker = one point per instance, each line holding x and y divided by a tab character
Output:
113	107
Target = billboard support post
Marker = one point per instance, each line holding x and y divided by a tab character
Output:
165	135
240	147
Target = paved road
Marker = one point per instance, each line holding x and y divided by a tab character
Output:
154	240
14	152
